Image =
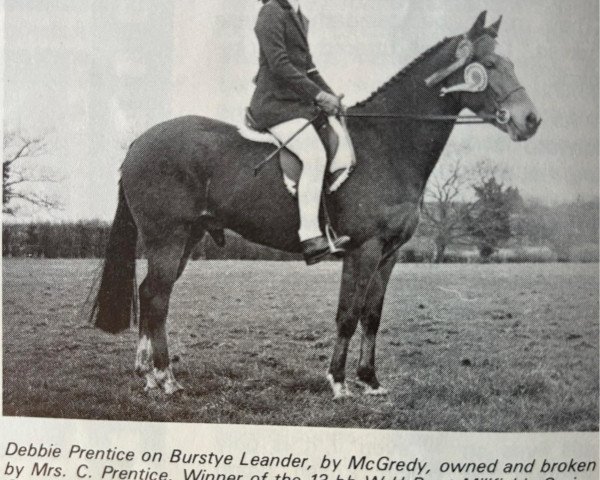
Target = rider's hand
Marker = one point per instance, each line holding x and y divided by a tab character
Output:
329	103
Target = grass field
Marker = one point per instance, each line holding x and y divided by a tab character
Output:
461	347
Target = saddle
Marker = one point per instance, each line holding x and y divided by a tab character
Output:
338	147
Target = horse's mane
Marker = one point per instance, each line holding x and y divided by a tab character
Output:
404	72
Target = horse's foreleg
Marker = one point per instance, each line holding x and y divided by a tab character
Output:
165	264
359	268
370	319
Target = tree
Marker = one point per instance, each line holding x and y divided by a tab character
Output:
17	178
562	227
489	221
445	214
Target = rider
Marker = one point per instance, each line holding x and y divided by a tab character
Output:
289	94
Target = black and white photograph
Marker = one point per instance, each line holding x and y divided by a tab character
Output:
319	213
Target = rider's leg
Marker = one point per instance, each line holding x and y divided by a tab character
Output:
309	149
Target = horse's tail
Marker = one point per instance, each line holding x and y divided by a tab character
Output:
116	300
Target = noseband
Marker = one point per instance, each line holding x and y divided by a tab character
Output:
502	114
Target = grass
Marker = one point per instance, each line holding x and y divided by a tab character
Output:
461	347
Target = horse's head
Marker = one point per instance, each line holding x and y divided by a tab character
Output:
485	82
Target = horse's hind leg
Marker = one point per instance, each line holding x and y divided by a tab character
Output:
196	234
166	261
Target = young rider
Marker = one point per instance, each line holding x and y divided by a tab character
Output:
289	93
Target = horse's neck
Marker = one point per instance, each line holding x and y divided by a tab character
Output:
412	147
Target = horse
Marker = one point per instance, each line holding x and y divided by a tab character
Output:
177	169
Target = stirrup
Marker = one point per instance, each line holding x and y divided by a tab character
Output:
209	221
331	237
207	215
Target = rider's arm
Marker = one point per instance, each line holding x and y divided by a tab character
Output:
316	77
271	38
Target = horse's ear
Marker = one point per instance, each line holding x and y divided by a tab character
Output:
478	26
495	27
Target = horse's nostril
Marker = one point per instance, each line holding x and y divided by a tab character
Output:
532	121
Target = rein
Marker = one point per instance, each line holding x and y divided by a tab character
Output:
458	119
501	116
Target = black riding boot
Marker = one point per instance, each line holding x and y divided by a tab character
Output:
318	248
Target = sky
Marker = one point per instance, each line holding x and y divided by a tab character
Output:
91	75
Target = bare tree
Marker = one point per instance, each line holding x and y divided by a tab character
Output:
446	209
18	179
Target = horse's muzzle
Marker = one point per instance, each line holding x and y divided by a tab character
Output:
532	122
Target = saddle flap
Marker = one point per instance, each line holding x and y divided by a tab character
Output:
290	164
330	140
340	159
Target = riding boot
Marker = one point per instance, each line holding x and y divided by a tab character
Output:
318	248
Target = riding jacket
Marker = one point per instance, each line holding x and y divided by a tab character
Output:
287	81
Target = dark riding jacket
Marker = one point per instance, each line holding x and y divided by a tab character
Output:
287	81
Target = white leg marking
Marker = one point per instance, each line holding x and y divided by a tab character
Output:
340	389
151	382
379	391
143	357
166	379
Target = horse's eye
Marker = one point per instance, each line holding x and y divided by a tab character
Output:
489	64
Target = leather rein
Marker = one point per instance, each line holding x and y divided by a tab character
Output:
502	116
457	119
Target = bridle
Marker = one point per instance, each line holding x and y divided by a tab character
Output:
476	81
503	115
508	95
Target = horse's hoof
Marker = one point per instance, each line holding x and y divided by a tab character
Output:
151	382
340	389
369	390
375	392
342	392
172	387
166	379
347	392
142	370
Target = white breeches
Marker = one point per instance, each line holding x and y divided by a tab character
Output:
309	149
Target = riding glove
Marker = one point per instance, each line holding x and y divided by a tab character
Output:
329	103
